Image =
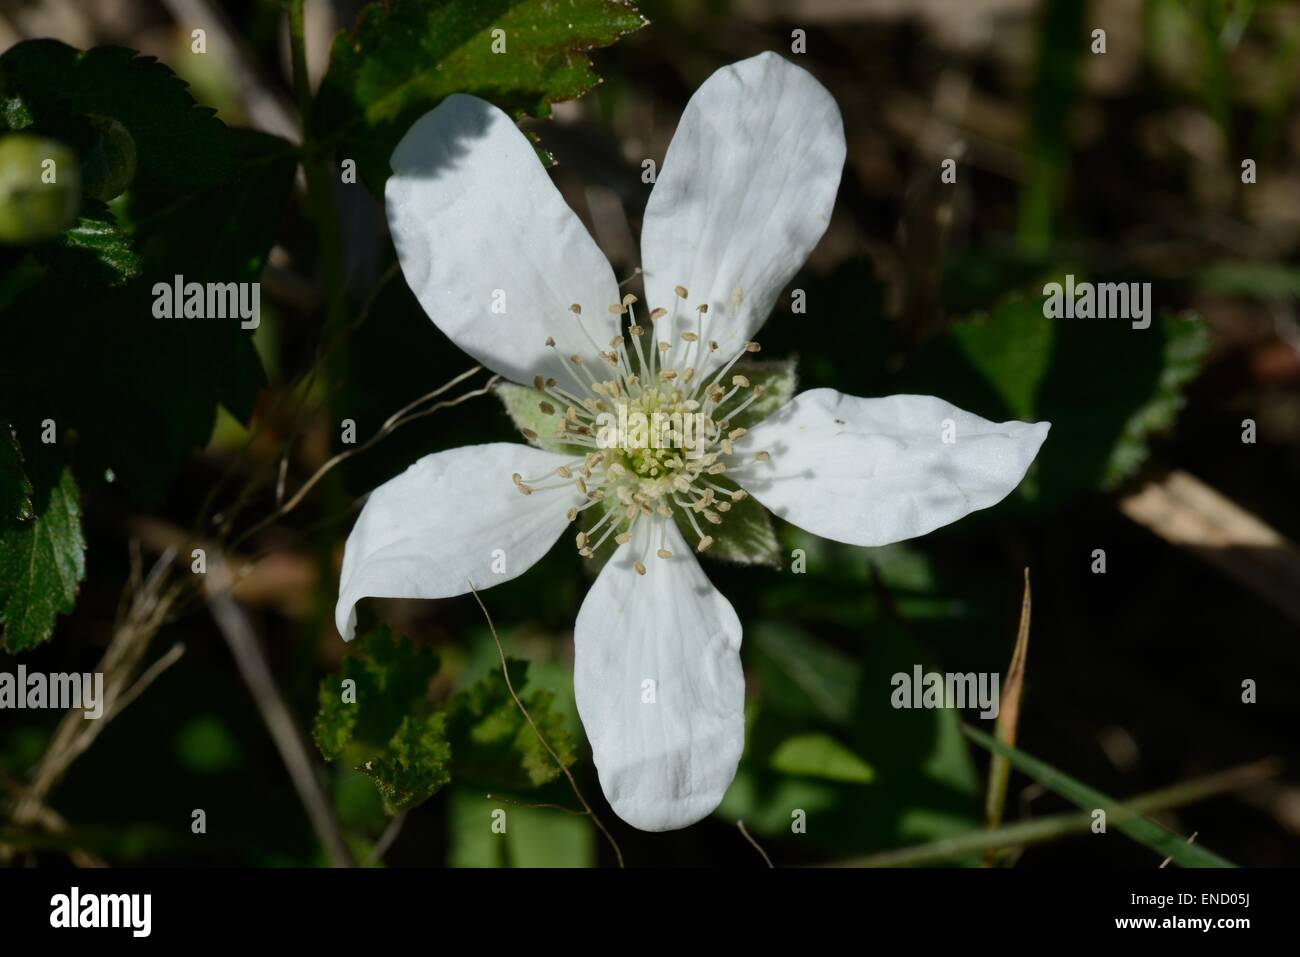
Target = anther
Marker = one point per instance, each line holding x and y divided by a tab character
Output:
575	309
705	542
546	407
657	314
640	569
664	553
681	292
529	434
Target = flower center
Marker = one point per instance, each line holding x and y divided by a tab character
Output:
657	423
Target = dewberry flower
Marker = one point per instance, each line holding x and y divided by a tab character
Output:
507	271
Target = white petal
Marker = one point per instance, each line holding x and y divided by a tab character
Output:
876	471
426	532
475	217
664	763
744	195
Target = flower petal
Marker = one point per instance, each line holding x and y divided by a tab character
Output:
744	195
443	520
876	471
666	752
478	225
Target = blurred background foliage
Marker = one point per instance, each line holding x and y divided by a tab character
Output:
1121	166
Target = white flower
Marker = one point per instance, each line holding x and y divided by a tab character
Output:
745	193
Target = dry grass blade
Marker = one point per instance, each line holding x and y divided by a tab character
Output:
1008	718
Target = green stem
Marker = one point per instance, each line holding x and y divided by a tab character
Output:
319	189
1046	829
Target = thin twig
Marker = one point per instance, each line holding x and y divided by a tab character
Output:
618	853
393	423
385	841
749	837
235	628
145	680
1045	829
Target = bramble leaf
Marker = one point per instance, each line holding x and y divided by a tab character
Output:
48	84
493	744
42	555
402	58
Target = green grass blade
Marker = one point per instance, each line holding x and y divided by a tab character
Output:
1143	830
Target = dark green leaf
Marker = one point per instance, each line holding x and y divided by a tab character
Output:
15	487
1015	363
42	557
179	144
96	251
376	715
805	675
402	58
102	368
391	681
414	765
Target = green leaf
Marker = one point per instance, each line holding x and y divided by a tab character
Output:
524	406
179	144
15	487
778	379
402	58
220	231
492	742
104	366
383	722
95	251
110	163
390	682
806	675
533	836
42	556
1143	830
414	766
745	536
820	756
1015	363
